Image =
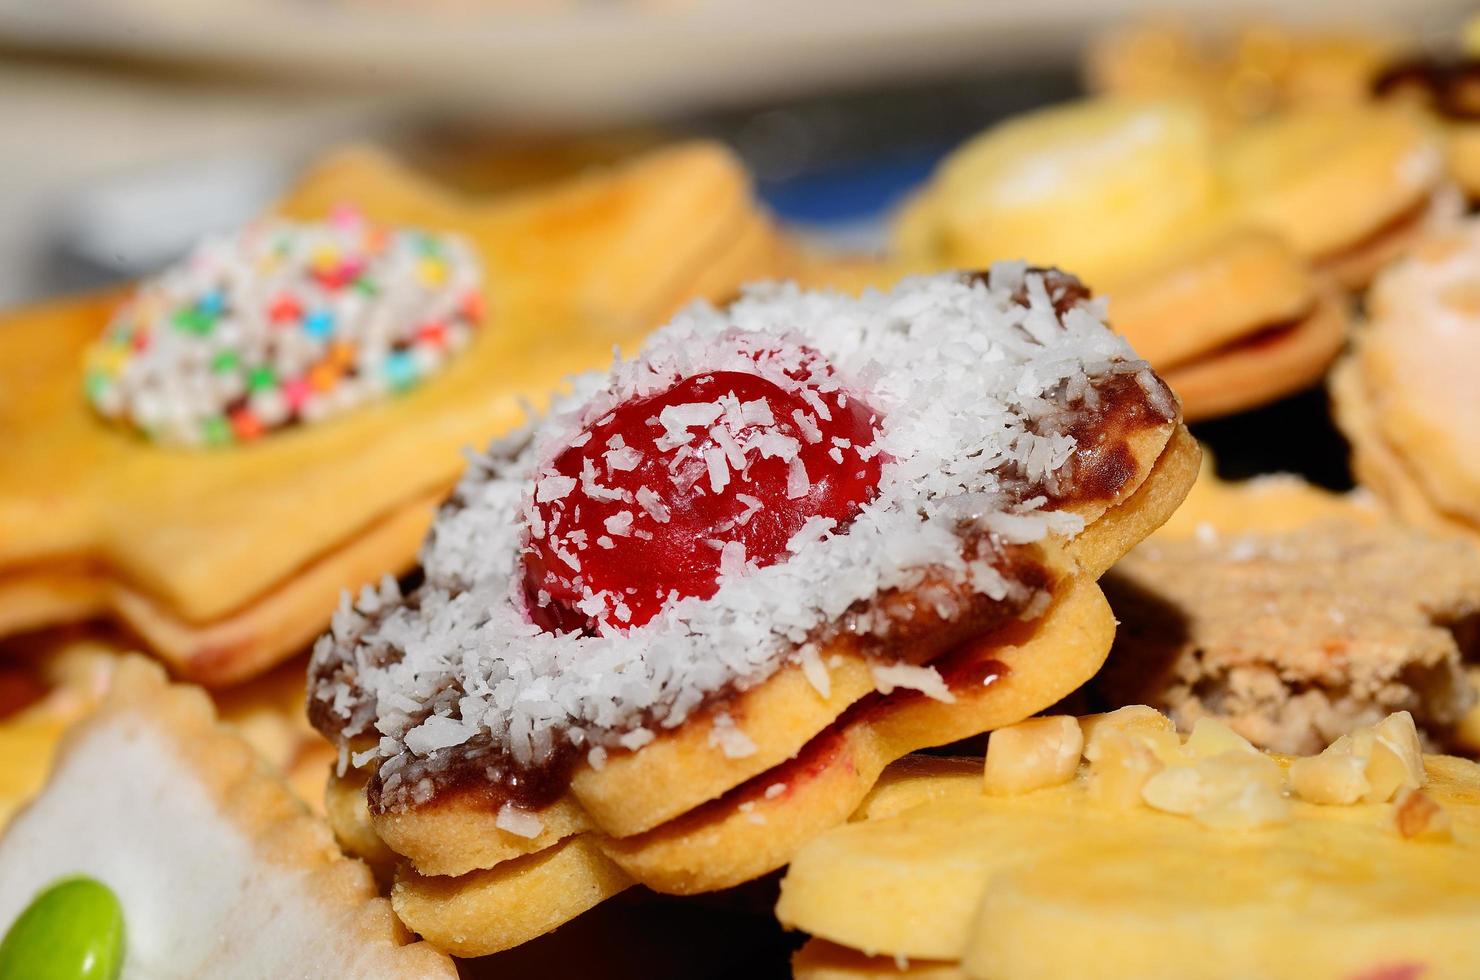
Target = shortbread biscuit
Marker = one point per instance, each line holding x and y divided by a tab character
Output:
1242	75
1403	395
1218	863
651	515
226	560
218	869
1348	187
1216	296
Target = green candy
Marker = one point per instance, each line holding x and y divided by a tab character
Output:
261	378
215	431
71	931
194	321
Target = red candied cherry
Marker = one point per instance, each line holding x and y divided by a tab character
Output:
660	497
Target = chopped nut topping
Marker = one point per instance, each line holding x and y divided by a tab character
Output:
1136	719
1370	766
1416	814
1230	790
1211	737
1122	765
1033	754
1329	778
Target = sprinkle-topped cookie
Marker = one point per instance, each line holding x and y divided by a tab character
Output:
758	481
284	323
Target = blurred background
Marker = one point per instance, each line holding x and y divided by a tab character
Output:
132	126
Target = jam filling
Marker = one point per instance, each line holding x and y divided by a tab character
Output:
666	494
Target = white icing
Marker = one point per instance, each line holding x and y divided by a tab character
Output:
199	900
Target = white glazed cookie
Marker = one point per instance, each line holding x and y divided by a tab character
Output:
220	871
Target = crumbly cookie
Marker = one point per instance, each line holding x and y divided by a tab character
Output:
1297	637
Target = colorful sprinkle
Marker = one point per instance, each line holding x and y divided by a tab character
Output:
296	391
319	324
285	308
245	424
400	370
283	323
323	376
193	320
215	431
261	378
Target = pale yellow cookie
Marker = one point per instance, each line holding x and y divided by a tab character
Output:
71	673
1217	864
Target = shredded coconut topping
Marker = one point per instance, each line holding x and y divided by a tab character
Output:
977	381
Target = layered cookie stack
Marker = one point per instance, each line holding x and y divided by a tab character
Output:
873	525
277	417
1224	253
1404	396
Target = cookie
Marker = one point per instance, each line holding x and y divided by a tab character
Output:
1401	395
217	868
1349	188
226	559
1272	503
1234	323
1228	309
743	690
61	677
1242	75
1156	857
1295	637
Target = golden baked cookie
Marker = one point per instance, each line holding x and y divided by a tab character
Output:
1269	504
218	869
1154	857
687	721
225	559
1403	396
1241	75
1349	188
1199	276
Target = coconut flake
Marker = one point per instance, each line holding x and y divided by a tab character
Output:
519	822
729	739
922	678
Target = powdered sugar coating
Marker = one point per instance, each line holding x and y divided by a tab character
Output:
977	383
